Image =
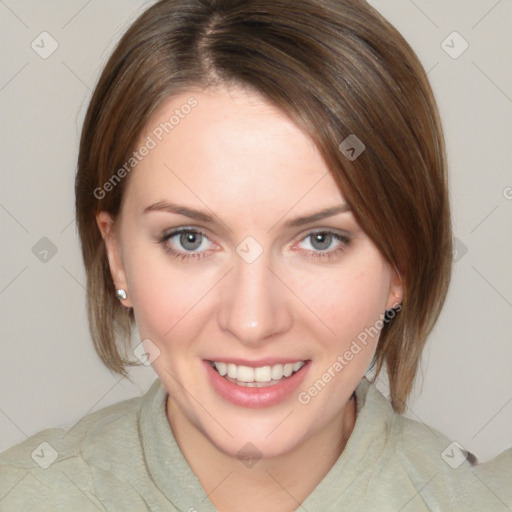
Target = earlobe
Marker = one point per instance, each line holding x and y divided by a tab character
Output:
106	225
396	291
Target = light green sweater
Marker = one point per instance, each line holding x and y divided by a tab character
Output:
125	458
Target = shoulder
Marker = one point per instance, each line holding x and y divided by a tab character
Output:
454	473
438	471
57	467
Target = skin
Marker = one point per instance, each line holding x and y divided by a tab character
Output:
242	161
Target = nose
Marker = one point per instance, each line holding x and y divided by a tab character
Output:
254	305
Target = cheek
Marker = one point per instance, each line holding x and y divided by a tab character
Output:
161	294
346	304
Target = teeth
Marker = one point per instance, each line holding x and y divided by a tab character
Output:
277	372
245	374
222	368
288	369
298	366
232	371
263	374
253	377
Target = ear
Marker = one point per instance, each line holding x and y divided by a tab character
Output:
396	289
114	254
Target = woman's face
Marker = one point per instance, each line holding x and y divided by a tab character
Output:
235	246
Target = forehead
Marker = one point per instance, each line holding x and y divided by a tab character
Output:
232	151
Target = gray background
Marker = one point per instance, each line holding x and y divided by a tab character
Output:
49	373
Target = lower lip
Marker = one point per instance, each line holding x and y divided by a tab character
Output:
255	397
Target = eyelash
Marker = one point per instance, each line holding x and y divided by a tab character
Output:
186	256
343	239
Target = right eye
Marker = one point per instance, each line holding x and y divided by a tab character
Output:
186	243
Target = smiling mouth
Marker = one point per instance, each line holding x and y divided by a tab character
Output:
259	377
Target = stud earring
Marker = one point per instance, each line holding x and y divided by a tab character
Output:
391	313
121	294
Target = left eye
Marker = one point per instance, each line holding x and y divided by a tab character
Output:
323	241
190	240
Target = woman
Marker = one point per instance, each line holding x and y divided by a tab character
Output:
262	192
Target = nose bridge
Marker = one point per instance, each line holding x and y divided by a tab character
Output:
253	307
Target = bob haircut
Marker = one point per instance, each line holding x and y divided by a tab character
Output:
337	68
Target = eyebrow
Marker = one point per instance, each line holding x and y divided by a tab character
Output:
314	217
165	206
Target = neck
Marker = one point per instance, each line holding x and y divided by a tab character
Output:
278	483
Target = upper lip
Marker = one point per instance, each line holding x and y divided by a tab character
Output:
268	361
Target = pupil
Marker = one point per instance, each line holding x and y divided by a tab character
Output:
190	241
321	241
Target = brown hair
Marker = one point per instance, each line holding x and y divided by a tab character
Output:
337	68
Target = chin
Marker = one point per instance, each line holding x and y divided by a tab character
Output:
252	448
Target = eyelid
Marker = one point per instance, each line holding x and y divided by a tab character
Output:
343	238
184	255
170	233
342	234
